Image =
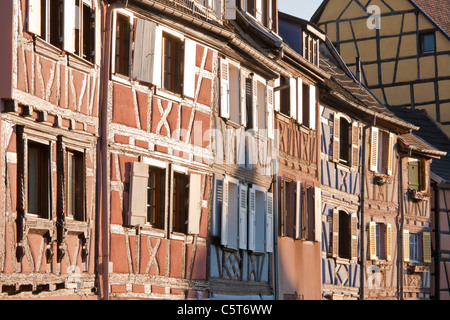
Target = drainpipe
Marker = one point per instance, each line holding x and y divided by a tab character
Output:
275	229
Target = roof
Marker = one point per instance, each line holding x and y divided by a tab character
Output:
438	11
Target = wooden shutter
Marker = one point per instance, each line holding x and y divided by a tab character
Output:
240	147
335	234
388	242
372	240
157	60
355	145
293	97
243	106
312	107
354	236
299	211
426	242
230	9
34	17
243	217
423	176
255	103
390	164
98	36
195	203
269	222
374	149
224	218
69	25
217	209
406	245
224	89
138	193
252	220
300	105
270	113
277	96
144	47
190	49
317	214
413	175
336	140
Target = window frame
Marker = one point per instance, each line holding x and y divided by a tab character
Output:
80	194
414	247
115	72
84	37
422	38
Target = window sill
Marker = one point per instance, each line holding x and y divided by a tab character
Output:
418	195
79	63
176	97
75	227
381	179
46	49
37	225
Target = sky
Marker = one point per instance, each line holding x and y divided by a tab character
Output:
299	8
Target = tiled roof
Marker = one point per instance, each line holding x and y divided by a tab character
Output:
438	11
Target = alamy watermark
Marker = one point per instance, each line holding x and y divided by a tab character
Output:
374	21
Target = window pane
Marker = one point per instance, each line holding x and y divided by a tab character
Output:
122	45
428	43
156	197
37	165
180	202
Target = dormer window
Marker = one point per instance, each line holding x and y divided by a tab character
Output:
311	48
264	11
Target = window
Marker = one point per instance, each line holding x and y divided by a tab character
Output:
38	179
122	44
75	185
262	11
416	247
380	241
311	48
249	102
180	202
345	141
427	43
417	175
156	197
84	24
173	59
413	247
381	151
344	235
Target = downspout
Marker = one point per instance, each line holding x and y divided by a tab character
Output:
363	194
437	272
275	227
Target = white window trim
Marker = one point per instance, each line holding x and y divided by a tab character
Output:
121	79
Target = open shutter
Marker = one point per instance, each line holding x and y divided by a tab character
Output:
335	234
98	36
157	61
312	107
230	9
336	134
190	48
195	203
374	149
277	96
224	89
34	17
406	245
423	176
317	214
293	97
300	106
270	113
355	145
138	193
255	103
373	241
426	242
69	25
252	220
224	220
390	164
243	106
298	211
243	217
354	235
269	222
388	242
144	47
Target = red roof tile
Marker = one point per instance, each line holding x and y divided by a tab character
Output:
438	10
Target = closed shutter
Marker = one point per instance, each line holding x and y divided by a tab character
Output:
336	134
34	17
270	113
269	222
190	48
388	242
317	214
217	209
195	203
390	164
426	239
243	217
312	107
224	218
69	25
374	149
423	176
230	9
355	145
298	211
293	97
249	102
335	234
406	245
224	89
98	36
300	105
138	193
252	220
354	235
373	241
413	175
144	46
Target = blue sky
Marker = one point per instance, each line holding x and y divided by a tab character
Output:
299	8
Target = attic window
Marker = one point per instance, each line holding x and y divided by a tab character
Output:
427	43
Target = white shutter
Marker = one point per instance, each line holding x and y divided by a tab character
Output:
312	107
230	9
98	35
243	217
373	241
406	245
255	103
69	25
190	48
195	203
277	96
269	222
138	193
224	218
243	106
270	113
293	94
143	50
224	89
317	214
300	100
34	17
240	147
252	220
157	59
298	211
390	164
374	149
